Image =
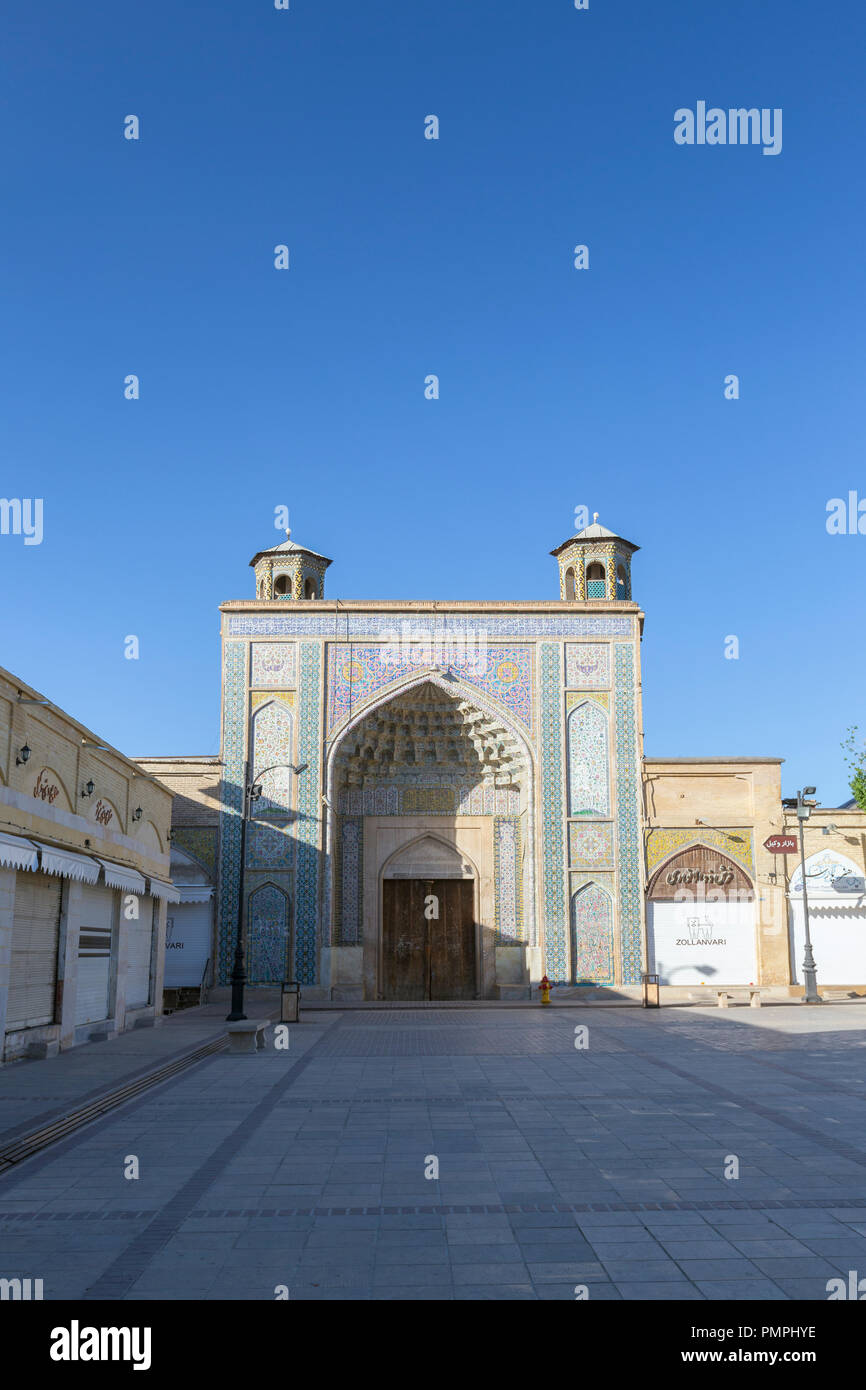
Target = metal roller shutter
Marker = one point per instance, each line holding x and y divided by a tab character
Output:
838	932
139	943
94	955
187	943
709	943
35	937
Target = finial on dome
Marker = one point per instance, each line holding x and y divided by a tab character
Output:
595	516
288	533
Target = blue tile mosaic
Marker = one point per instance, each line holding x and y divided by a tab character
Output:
553	814
443	626
628	815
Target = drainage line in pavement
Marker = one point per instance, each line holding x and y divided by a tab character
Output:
38	1139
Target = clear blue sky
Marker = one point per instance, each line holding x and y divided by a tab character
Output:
558	387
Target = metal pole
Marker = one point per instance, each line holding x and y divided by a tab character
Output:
239	974
810	980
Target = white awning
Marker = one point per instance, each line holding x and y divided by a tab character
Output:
17	853
160	889
195	892
119	876
68	865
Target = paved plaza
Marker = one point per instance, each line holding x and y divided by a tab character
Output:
558	1167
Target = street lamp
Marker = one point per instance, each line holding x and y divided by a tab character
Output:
804	809
252	790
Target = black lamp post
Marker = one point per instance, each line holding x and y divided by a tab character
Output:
810	970
251	792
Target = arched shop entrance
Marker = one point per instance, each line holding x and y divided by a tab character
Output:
701	920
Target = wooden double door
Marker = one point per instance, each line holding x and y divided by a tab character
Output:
428	939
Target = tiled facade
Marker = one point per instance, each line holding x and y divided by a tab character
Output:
285	671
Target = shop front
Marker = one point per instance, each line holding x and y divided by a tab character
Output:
84	881
701	927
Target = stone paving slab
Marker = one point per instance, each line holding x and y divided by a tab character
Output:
557	1167
33	1093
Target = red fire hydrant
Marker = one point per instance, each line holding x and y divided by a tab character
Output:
545	990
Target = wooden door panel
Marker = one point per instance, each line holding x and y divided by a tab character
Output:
452	942
404	963
428	958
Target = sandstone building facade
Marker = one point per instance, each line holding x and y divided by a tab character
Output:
84	869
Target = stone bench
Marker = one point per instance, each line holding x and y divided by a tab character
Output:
247	1035
726	995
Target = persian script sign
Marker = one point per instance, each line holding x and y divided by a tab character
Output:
702	872
781	844
48	791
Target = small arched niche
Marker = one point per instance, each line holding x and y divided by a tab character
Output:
428	858
595	580
570	591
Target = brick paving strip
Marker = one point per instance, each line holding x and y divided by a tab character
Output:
71	1073
33	1141
455	1209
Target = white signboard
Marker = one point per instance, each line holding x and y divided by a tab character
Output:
693	943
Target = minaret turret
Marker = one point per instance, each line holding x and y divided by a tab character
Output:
595	563
289	571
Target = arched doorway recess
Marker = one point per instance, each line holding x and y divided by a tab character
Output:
432	762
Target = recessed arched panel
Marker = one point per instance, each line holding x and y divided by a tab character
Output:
428	857
268	935
588	761
596	582
104	812
272	748
823	869
148	837
570	590
592	953
48	786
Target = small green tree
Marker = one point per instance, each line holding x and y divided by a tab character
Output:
855	758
